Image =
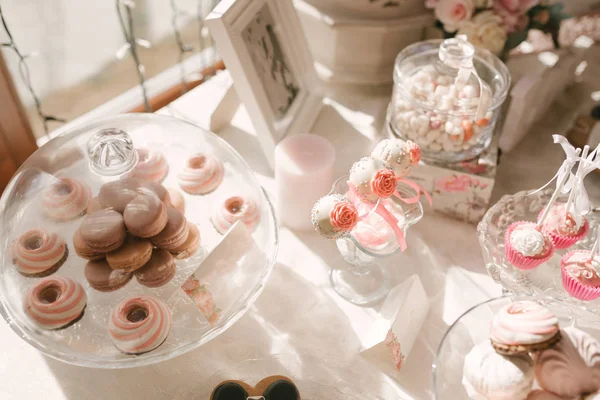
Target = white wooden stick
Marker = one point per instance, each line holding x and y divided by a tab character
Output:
584	154
559	186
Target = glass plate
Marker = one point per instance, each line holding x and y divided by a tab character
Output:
543	282
473	327
233	282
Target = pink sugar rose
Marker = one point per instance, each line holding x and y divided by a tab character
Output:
513	13
190	285
414	150
343	216
452	13
384	183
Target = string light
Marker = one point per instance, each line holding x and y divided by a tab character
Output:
182	47
131	45
26	74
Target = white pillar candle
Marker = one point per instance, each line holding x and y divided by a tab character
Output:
303	174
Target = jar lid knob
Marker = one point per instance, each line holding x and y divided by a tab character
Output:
111	152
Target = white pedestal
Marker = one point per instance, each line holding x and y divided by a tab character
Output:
358	51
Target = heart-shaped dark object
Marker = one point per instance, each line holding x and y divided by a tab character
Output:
275	387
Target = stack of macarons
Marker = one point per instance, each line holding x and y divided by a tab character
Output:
134	228
526	350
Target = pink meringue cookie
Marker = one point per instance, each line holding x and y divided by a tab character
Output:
139	324
202	174
66	199
38	253
55	302
152	165
233	209
522	325
333	216
572	367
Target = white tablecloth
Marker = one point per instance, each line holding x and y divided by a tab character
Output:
299	327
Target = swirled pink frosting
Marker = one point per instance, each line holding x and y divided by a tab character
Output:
233	209
581	267
344	216
152	165
55	302
139	324
523	322
202	174
66	199
383	184
37	250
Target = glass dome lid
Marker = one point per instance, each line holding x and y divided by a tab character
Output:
130	240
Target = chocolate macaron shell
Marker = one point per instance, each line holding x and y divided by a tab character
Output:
94	205
191	244
103	231
175	232
103	278
158	271
145	216
117	194
132	255
176	199
83	250
155	188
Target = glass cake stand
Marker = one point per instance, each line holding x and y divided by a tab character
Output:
544	282
473	327
230	280
362	280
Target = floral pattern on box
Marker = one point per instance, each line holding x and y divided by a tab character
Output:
202	298
392	343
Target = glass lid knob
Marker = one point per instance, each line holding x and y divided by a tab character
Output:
111	152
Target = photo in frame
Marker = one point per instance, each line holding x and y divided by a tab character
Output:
265	51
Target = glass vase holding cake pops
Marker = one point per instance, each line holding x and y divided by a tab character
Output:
561	214
360	278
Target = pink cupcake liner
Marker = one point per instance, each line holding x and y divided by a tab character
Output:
519	260
574	287
564	242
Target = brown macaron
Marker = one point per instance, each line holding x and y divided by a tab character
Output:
103	278
132	255
175	232
117	194
83	250
191	244
145	216
103	231
94	205
176	199
155	188
158	271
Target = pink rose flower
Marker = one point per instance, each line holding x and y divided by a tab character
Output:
343	216
384	183
513	13
453	183
414	150
390	338
452	13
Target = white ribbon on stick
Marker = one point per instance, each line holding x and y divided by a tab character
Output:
566	168
579	200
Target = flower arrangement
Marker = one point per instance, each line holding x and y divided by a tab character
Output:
497	25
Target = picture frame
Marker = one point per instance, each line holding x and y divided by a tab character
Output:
264	48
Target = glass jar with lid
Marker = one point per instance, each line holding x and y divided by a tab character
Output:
447	97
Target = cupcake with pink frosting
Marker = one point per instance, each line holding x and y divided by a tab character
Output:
334	216
562	227
527	246
152	165
233	209
523	327
580	274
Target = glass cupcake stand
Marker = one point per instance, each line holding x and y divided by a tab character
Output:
362	279
94	156
544	282
473	327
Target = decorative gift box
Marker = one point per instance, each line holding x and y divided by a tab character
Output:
461	190
335	41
